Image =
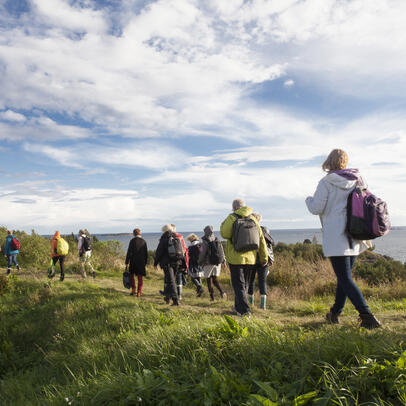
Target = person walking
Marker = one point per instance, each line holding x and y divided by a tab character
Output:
170	257
183	268
244	240
330	203
195	270
212	258
11	250
59	250
136	261
85	252
260	270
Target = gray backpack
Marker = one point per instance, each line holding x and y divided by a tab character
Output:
245	234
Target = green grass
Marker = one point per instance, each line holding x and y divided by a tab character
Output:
90	343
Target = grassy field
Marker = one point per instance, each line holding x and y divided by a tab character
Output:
90	343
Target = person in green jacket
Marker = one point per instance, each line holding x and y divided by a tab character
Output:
242	261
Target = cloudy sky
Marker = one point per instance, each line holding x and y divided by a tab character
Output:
124	113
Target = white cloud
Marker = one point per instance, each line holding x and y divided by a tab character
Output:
289	83
10	115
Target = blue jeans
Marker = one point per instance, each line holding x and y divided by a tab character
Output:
238	279
262	272
346	287
12	259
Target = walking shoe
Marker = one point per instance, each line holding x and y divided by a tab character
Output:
224	295
332	318
18	267
8	271
212	297
251	299
132	294
94	274
200	292
138	294
62	277
369	321
51	273
175	302
167	299
235	311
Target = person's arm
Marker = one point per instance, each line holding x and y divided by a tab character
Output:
80	244
145	252
317	203
186	251
158	253
129	252
226	228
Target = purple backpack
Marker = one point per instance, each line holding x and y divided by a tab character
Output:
367	215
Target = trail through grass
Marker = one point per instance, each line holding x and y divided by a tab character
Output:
90	343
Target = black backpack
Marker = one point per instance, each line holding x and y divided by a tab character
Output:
215	251
175	248
87	244
126	280
194	251
245	234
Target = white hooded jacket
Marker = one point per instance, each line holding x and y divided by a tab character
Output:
330	203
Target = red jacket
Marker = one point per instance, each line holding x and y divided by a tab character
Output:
180	236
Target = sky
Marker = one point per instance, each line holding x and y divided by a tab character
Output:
122	114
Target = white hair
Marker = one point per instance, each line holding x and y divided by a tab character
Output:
167	227
238	203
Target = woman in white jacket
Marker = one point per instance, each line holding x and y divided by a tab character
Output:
330	203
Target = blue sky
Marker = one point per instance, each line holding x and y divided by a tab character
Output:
117	114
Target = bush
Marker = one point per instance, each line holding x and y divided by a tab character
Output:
381	271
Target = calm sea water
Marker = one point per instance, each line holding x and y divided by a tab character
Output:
393	244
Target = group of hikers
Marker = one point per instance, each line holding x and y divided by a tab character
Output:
248	250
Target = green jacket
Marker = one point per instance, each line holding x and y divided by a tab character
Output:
242	258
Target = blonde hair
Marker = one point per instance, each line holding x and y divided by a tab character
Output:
167	227
337	159
192	237
257	216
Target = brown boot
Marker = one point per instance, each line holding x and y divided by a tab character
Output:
332	318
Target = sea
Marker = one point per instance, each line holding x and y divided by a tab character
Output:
392	244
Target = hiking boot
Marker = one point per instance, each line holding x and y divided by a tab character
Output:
8	271
62	277
263	302
94	274
369	321
175	302
18	267
251	299
332	318
167	299
51	273
200	292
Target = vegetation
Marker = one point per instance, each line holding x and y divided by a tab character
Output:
90	343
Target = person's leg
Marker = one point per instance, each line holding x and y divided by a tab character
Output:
210	287
62	265
238	282
251	282
216	283
346	286
8	264
88	255
247	271
132	279
83	266
262	274
16	263
179	284
140	283
171	284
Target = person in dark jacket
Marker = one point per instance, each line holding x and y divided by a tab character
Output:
261	270
10	252
195	270
136	260
170	267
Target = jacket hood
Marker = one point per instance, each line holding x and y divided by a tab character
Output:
340	181
243	211
208	230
